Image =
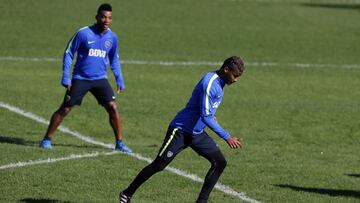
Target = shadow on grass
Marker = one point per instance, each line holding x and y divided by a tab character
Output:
32	200
353	175
323	191
15	140
350	6
20	141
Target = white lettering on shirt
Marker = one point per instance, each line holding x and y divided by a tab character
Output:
97	53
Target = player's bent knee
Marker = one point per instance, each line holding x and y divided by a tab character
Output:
111	107
64	110
218	161
67	110
222	164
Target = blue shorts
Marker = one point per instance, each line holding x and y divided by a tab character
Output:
177	140
101	90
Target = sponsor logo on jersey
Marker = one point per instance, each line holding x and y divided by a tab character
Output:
216	105
97	53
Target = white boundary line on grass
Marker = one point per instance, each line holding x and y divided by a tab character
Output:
52	160
193	177
191	63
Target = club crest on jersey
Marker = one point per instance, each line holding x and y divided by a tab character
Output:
107	44
97	53
169	154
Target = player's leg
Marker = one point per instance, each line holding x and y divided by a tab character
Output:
71	98
104	94
148	171
174	143
56	119
206	147
116	125
218	164
114	119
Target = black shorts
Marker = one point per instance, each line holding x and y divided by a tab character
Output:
101	90
177	140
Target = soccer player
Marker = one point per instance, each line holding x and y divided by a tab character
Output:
96	46
187	130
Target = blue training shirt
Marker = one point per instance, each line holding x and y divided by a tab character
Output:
94	52
200	110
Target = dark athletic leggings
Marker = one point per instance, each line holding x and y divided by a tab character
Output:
218	164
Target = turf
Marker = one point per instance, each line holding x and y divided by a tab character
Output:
300	124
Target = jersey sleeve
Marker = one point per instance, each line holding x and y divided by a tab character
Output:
69	54
214	126
114	60
210	100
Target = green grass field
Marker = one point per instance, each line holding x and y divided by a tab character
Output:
297	107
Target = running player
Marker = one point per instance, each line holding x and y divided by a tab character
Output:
187	130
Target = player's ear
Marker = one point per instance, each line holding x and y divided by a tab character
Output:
226	69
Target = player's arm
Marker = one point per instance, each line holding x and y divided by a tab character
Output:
232	141
207	95
116	66
68	58
208	117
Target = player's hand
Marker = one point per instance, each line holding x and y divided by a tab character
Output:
119	90
67	86
234	142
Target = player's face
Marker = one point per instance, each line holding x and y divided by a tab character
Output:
104	20
231	76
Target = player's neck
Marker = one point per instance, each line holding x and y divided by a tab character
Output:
220	74
100	29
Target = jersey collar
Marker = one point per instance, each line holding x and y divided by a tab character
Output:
221	81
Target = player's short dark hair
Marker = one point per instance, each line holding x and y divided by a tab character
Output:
234	62
104	7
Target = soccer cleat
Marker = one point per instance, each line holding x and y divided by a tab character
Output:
124	198
122	147
46	144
